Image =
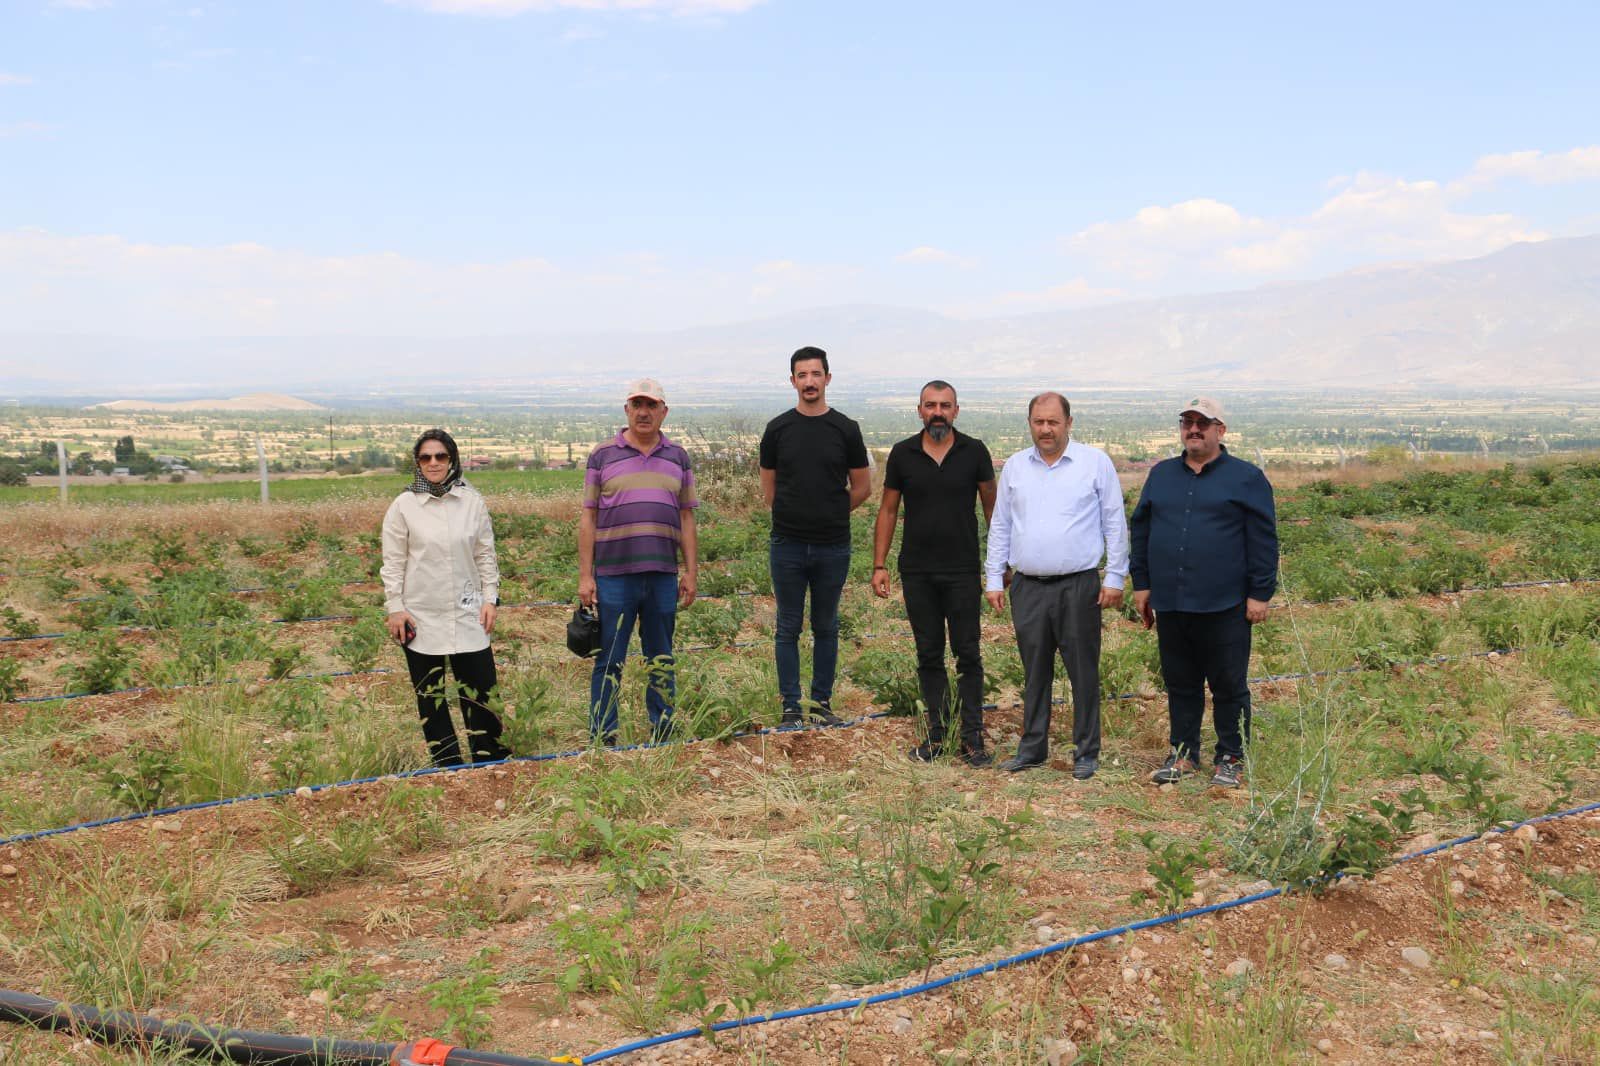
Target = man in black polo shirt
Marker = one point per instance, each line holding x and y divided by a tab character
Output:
940	472
813	474
1204	564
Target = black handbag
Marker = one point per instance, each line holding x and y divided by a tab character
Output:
583	633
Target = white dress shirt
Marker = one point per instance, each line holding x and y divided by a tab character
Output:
1059	518
439	564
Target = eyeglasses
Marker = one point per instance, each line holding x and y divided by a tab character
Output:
1192	422
434	457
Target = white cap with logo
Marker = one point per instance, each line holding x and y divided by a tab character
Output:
647	387
1204	405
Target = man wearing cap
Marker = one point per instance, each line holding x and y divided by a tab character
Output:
1204	564
1058	512
638	514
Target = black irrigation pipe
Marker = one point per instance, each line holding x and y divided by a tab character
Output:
1462	591
425	771
1039	953
126	1029
403	775
199	684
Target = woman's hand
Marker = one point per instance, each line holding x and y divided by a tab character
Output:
486	617
397	623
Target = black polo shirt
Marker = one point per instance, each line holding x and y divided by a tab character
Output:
941	529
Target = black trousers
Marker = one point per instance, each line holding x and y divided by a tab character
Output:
1060	616
935	603
1200	648
475	678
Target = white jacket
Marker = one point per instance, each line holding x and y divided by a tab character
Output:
439	564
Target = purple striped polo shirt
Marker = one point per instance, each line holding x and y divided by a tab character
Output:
637	499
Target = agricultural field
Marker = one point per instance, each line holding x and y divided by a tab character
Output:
1431	671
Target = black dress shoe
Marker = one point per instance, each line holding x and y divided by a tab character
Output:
977	759
1016	764
924	753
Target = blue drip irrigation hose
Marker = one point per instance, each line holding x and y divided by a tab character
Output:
1037	953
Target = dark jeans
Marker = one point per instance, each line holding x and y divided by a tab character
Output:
1199	648
1060	616
796	568
651	600
934	602
475	681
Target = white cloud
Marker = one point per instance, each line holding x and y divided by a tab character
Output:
1157	239
506	8
1364	218
1541	168
927	254
15	79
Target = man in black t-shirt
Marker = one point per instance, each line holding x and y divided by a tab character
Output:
940	473
813	474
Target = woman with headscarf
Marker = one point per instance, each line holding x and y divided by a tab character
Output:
441	584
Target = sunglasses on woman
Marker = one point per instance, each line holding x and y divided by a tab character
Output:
434	457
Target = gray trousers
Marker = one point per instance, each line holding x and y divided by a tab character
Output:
1058	617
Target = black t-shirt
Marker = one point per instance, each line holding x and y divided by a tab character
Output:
813	456
941	529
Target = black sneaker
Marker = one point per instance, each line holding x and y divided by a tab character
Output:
609	740
1016	764
1175	769
791	717
1229	772
824	714
977	759
924	753
1085	768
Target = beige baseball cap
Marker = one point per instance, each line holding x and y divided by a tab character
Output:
647	387
1204	405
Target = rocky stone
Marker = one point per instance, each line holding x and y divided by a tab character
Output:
304	792
1458	888
1044	934
1129	975
1416	957
1335	961
1136	955
1060	1052
8	870
902	1025
1325	1046
1526	833
1238	968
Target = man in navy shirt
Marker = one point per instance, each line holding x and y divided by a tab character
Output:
941	473
1204	564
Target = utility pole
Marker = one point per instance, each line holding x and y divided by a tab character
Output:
61	465
261	464
330	440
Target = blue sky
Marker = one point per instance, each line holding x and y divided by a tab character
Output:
454	167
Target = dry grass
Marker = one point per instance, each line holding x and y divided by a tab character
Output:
79	524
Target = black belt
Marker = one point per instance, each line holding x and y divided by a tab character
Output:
1050	579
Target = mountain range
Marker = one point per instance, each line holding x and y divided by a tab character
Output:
1525	317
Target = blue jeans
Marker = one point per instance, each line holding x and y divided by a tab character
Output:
821	568
652	601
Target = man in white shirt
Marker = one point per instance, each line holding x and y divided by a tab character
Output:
1058	512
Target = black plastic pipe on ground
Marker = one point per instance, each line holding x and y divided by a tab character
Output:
239	1045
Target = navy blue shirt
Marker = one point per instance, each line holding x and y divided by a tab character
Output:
1207	541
